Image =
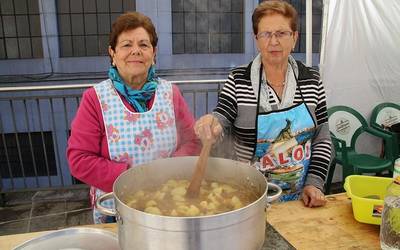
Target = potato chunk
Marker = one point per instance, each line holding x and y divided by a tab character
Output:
236	203
178	198
227	188
193	211
138	194
214	185
172	183
159	195
174	212
151	203
180	190
153	210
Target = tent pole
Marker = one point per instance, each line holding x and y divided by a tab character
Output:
324	32
309	33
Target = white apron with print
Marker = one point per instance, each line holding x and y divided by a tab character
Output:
136	138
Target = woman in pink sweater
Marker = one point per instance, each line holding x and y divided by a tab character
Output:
131	118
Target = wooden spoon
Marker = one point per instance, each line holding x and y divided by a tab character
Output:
198	175
201	165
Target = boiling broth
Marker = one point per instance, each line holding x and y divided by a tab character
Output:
170	199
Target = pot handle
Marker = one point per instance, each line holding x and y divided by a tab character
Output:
275	196
103	210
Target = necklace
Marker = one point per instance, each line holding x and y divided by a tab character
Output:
277	85
271	84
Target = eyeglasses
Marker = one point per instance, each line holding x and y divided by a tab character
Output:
278	34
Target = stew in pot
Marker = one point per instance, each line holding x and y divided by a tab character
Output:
170	200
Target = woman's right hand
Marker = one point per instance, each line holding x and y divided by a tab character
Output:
208	128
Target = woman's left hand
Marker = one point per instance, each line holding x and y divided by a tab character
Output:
313	197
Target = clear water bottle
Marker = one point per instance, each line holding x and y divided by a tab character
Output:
396	168
390	226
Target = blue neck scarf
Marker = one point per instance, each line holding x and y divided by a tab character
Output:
136	97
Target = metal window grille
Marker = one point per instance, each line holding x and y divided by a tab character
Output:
20	30
34	151
209	26
35	123
84	25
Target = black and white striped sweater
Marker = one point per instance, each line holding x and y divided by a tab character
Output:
237	111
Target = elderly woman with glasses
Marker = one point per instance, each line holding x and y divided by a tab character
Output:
131	118
275	110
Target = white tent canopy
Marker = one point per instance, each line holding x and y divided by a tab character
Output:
360	56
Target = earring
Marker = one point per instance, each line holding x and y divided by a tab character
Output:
113	64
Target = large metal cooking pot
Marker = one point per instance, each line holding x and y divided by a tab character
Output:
240	229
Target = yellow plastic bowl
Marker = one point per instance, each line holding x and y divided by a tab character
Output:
367	194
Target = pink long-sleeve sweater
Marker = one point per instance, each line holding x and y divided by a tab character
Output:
87	151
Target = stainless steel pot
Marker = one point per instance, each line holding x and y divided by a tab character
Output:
239	229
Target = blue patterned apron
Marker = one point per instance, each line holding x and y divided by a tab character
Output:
283	148
136	138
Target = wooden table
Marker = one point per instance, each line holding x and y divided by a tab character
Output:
329	227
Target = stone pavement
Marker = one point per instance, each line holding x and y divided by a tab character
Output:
25	212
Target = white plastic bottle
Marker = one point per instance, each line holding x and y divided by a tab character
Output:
390	226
